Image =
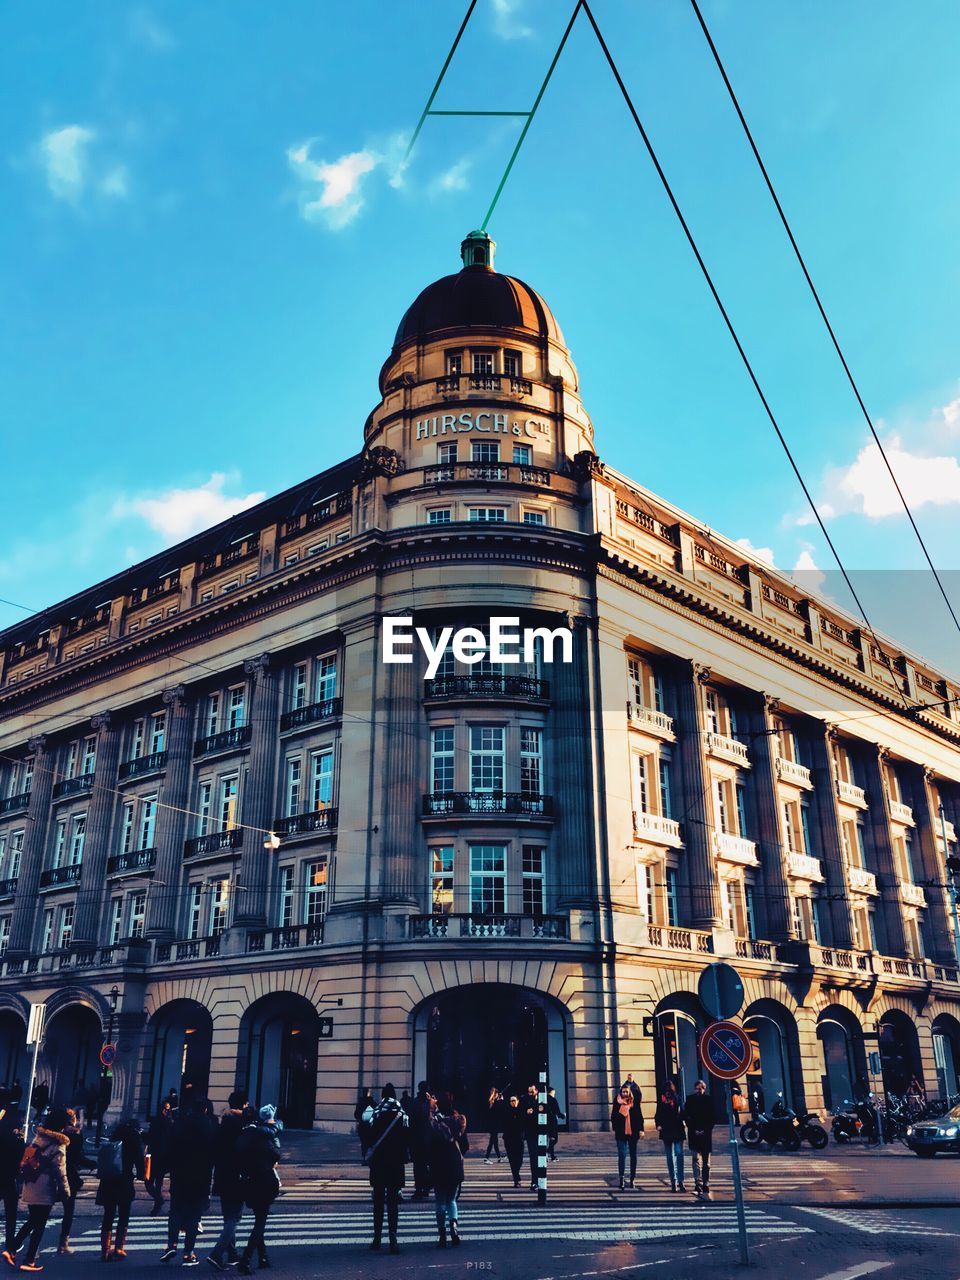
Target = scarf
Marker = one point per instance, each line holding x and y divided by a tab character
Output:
625	1109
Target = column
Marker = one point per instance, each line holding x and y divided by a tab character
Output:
405	874
771	845
96	845
932	868
164	894
260	797
830	840
885	866
574	840
703	884
34	851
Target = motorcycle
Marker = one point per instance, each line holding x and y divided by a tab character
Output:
812	1131
847	1124
778	1128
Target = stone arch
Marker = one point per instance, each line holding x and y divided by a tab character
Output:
179	1038
69	1060
277	1055
14	1057
843	1054
678	1020
899	1046
946	1054
777	1064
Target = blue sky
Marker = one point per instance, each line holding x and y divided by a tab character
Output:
208	242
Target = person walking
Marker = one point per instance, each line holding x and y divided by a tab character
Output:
258	1154
226	1179
633	1087
190	1162
494	1113
699	1117
446	1174
76	1160
672	1133
387	1140
554	1116
531	1131
365	1102
11	1153
41	1099
513	1136
158	1144
626	1121
420	1141
43	1171
119	1162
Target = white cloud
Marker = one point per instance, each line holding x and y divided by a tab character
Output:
147	31
453	179
331	191
865	487
950	413
807	568
177	513
507	22
63	156
765	554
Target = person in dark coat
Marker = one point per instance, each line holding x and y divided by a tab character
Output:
41	1099
258	1154
446	1174
77	1159
227	1183
670	1127
530	1106
387	1140
158	1144
190	1161
365	1102
494	1113
626	1121
513	1136
554	1116
633	1087
11	1153
116	1192
420	1141
699	1118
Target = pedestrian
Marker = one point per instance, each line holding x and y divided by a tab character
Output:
513	1136
698	1114
77	1159
41	1099
494	1109
554	1116
626	1121
531	1129
190	1161
364	1100
158	1144
448	1108
387	1138
11	1153
258	1154
672	1133
43	1171
120	1161
446	1174
420	1141
173	1099
633	1087
227	1183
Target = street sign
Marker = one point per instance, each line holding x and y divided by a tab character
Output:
720	989
725	1050
35	1029
108	1055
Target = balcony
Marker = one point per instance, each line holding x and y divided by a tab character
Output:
804	867
912	894
850	793
897	968
862	881
755	949
718	744
320	514
226	740
477	925
901	813
135	860
287	938
525	688
689	941
790	771
658	830
451	383
486	804
735	849
655	722
140	765
14	804
8	888
302	824
833	958
202	846
188	949
73	786
312	714
487	473
69	874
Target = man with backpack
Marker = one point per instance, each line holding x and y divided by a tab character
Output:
44	1175
385	1141
258	1154
227	1183
119	1162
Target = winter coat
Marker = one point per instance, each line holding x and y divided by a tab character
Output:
554	1116
226	1175
388	1162
513	1128
76	1160
699	1116
257	1154
419	1120
446	1160
11	1153
668	1120
618	1122
158	1139
530	1109
50	1185
119	1188
190	1159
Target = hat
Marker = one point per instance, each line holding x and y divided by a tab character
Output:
267	1114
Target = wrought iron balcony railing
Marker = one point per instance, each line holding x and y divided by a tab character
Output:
312	713
135	860
140	765
68	874
225	740
213	843
73	786
486	804
300	824
13	804
489	686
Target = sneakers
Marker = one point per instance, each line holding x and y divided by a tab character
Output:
119	1254
168	1254
31	1266
190	1260
621	1184
681	1187
499	1159
9	1258
487	1160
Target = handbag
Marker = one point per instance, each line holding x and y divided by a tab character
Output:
370	1150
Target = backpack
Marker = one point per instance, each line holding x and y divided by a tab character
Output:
110	1160
32	1164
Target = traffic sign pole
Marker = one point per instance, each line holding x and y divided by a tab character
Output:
737	1179
34	1032
542	1140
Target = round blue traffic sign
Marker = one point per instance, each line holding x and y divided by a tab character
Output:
725	1050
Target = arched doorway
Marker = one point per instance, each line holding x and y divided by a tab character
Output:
844	1057
678	1021
775	1068
470	1038
14	1059
70	1061
180	1055
946	1054
899	1053
277	1056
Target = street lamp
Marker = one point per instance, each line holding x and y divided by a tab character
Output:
105	1070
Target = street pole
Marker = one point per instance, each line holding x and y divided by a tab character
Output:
34	1032
542	1140
951	881
737	1179
105	1071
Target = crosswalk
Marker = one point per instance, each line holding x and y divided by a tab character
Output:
514	1222
880	1222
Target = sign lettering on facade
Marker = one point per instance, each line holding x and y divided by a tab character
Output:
495	423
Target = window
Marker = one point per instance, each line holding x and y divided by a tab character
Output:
228	804
531	762
712	710
439	515
488	879
673	897
482	362
641	790
454	363
138	914
321	779
290	559
298	686
47	929
194	910
148	822
790	828
446	453
4	934
522	454
316	547
77	834
115	926
486	758
815	920
326	673
205	598
342	536
646	891
512	364
484	451
3	851
59	842
89	760
908	862
441	761
230	586
65	932
285	904
126	827
749	896
666	797
861	845
291	803
219	906
635	674
799	920
741	794
872	931
441	879
488	515
212	715
16	854
137	739
533	881
805	824
204	792
535	517
721	814
315	897
236	707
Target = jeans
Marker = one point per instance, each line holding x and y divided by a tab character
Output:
69	1206
447	1210
674	1153
623	1146
11	1198
255	1240
225	1250
385	1197
701	1168
493	1146
421	1167
533	1147
185	1218
37	1215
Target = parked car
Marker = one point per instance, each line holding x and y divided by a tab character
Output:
927	1137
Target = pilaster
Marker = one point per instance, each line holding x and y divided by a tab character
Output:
96	845
774	870
260	799
882	840
34	847
699	867
830	839
933	868
574	838
175	797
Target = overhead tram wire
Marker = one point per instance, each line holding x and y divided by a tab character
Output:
820	307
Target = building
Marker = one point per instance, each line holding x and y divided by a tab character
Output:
297	869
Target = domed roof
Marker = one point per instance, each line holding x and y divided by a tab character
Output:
477	297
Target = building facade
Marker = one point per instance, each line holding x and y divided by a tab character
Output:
257	856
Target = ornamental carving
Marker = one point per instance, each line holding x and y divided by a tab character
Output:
381	461
38	743
174	697
257	667
770	703
100	721
587	466
701	673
